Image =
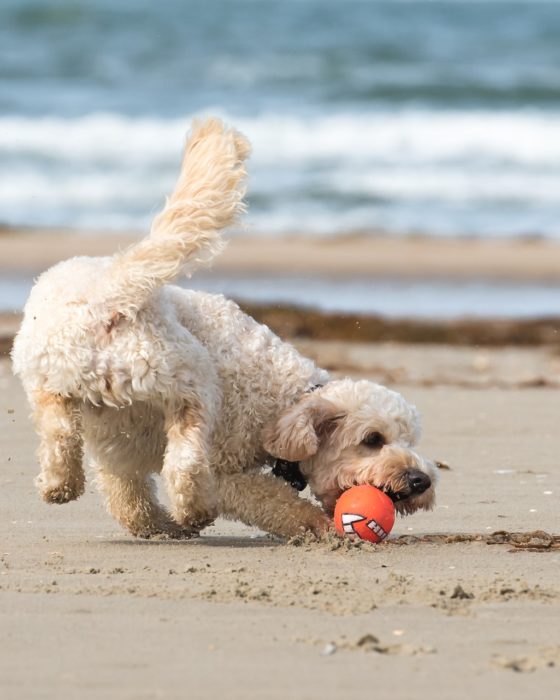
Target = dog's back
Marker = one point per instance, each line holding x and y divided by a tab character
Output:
79	337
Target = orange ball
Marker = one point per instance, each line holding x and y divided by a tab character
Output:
366	512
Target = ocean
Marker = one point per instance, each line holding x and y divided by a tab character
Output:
419	299
424	117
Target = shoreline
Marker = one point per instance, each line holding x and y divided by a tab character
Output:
28	251
31	250
302	324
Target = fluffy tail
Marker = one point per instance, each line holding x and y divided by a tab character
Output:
208	197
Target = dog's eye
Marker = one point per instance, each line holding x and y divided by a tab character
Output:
375	440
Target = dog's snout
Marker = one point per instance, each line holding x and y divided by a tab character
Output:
418	481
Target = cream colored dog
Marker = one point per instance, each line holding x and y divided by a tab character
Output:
145	378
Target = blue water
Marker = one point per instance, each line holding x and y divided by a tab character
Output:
429	117
391	298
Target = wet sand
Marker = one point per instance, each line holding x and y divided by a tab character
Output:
87	610
526	260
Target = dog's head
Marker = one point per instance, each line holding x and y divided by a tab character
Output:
348	433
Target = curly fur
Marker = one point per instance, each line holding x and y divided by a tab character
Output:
145	378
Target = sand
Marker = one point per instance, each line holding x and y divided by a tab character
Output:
444	609
525	260
87	611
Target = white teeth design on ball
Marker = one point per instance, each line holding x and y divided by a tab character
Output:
376	527
348	520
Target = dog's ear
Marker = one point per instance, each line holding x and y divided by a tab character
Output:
296	434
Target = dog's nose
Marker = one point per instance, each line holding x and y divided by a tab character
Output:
418	481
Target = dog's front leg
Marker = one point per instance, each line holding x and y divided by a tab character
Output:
60	453
190	483
270	504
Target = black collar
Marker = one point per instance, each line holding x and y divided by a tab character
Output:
290	471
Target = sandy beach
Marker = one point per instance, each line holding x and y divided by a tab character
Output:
402	226
521	260
460	601
444	609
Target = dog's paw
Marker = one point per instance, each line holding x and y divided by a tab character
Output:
194	519
318	528
55	491
163	527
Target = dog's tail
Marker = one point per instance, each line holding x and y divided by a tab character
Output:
208	197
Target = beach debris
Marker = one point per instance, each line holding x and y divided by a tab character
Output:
442	465
535	541
404	650
369	642
545	657
460	593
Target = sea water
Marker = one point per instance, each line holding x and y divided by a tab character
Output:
440	118
424	117
442	299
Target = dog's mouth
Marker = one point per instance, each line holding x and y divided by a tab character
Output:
414	483
417	482
396	496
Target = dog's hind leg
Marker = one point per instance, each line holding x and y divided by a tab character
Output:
131	500
190	482
60	453
270	504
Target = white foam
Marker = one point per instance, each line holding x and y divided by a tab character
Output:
420	170
452	184
411	136
96	138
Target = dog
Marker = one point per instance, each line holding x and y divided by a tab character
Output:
139	377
